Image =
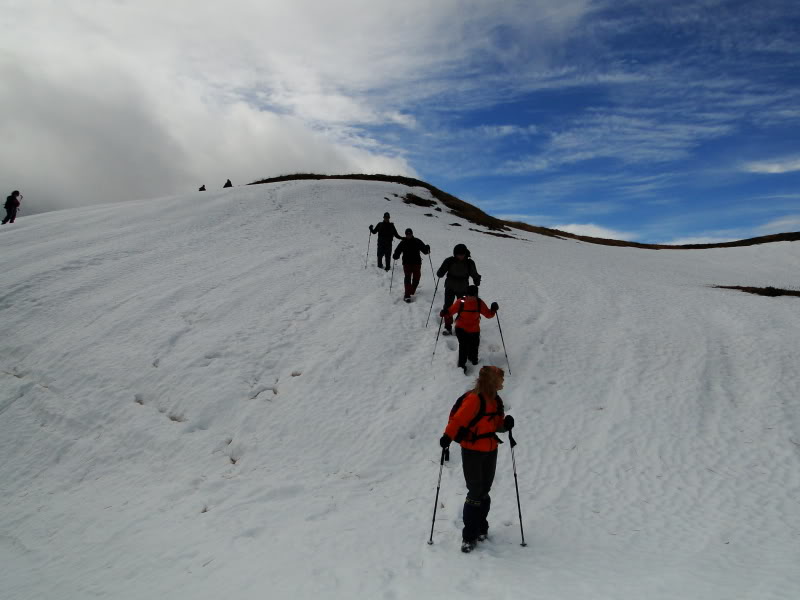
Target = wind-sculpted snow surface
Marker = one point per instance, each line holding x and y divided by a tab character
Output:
210	397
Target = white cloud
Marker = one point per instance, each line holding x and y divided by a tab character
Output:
524	218
773	167
630	136
785	224
591	230
121	100
700	239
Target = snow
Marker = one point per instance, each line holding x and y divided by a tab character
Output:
209	396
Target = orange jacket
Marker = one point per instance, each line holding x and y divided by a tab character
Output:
470	317
490	423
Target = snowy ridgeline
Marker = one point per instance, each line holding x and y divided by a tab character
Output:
209	396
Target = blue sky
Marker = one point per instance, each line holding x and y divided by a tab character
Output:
652	121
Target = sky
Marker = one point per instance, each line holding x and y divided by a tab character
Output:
651	121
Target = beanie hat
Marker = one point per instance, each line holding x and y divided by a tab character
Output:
460	249
472	290
409	231
385	215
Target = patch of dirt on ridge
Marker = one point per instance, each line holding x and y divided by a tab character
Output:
765	291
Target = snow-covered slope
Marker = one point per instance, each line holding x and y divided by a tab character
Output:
209	396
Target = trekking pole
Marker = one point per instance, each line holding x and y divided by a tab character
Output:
504	343
436	504
432	301
516	485
391	281
441	320
366	258
433	275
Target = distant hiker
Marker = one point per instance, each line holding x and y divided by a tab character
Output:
468	311
227	184
410	248
11	206
387	232
458	269
474	422
203	188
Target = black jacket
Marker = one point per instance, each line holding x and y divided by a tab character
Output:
410	249
386	232
458	273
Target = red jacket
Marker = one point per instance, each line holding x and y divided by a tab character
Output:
470	316
490	423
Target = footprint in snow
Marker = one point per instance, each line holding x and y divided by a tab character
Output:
263	388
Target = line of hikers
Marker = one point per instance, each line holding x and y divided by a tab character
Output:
479	415
462	305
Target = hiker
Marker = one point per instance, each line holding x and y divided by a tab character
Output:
386	233
11	206
410	248
458	269
468	311
202	188
227	184
474	422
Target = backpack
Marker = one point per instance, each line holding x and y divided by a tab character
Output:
468	433
461	308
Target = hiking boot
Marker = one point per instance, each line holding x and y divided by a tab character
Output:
447	330
464	368
483	537
467	546
474	362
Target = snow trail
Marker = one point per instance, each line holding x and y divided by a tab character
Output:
209	396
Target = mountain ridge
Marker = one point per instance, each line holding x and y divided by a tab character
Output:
475	215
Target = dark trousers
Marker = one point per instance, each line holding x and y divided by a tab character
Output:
11	214
385	251
479	468
411	280
449	298
468	344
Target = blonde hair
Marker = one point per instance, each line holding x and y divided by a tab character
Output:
489	379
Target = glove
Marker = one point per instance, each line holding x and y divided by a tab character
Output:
477	280
370	229
494	306
427	249
508	423
444	441
442	313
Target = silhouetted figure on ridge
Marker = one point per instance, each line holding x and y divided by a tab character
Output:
11	206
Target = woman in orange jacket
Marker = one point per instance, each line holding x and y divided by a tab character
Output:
474	424
468	329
